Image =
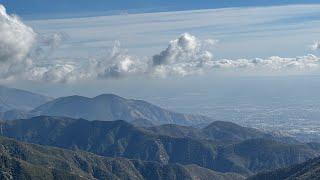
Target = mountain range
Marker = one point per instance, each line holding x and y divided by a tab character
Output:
246	156
109	107
20	104
20	160
217	131
110	137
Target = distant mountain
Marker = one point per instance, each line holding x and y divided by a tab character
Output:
15	99
108	107
121	139
28	161
309	170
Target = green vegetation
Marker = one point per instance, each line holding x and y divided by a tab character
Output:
29	161
238	151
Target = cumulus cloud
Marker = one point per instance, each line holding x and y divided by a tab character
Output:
186	48
118	63
188	59
20	46
16	42
184	55
187	55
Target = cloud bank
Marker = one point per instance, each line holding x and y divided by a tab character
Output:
21	52
188	55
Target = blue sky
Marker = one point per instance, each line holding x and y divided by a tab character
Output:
59	8
286	31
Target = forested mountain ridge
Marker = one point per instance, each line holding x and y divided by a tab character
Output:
121	139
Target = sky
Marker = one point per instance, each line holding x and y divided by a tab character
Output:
159	50
63	8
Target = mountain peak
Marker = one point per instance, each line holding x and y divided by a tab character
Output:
113	107
108	96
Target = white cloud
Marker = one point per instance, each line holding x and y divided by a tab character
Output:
16	42
274	64
188	55
20	47
116	64
58	73
185	48
183	56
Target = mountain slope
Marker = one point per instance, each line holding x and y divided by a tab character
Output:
121	139
309	170
28	161
177	131
11	99
218	131
109	138
257	155
231	132
108	107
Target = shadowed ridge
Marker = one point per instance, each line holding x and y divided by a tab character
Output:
29	161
